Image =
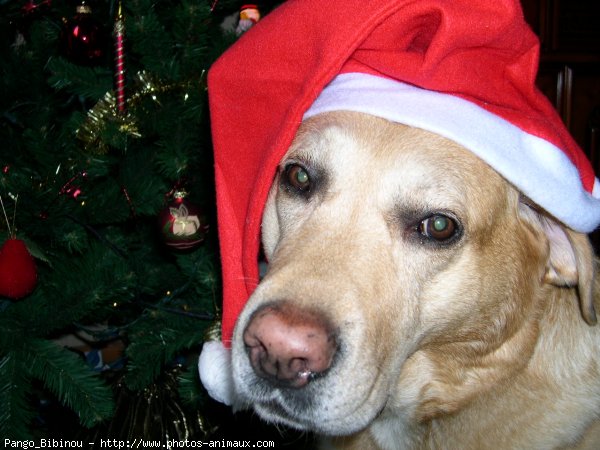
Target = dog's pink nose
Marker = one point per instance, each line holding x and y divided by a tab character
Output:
288	345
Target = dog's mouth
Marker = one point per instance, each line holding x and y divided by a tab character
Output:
295	409
328	403
314	413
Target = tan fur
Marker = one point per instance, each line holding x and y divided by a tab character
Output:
485	343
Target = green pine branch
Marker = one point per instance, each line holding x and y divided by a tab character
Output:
155	344
88	82
71	380
175	324
150	40
81	289
189	386
15	410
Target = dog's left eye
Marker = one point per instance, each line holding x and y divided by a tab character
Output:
297	177
438	227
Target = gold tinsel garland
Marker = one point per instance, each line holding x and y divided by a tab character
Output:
105	111
154	414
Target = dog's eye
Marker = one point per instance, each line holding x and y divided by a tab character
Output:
438	227
297	177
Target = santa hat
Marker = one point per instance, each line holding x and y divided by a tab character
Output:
464	69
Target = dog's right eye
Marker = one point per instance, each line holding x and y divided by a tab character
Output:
297	177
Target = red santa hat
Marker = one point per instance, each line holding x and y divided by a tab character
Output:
464	69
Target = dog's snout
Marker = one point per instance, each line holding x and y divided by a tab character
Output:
288	345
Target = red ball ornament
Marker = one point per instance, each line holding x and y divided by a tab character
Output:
18	275
182	224
83	39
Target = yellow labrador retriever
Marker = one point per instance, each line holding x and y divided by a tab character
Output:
415	300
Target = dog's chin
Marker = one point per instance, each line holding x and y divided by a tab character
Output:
314	419
318	407
274	412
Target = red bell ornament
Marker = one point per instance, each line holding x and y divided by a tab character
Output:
182	224
18	274
83	39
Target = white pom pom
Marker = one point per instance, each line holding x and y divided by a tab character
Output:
214	366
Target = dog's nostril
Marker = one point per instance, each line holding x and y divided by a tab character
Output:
289	345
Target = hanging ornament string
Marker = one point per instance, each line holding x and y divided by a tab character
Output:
11	230
119	35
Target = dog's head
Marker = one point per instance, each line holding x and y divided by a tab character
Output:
404	273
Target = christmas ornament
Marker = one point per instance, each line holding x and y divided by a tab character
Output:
18	275
249	15
119	35
83	38
182	224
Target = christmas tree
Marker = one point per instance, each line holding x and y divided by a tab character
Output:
109	273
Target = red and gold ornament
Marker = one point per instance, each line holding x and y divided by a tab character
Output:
83	38
182	224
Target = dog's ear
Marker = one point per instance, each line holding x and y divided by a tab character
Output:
571	261
566	247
